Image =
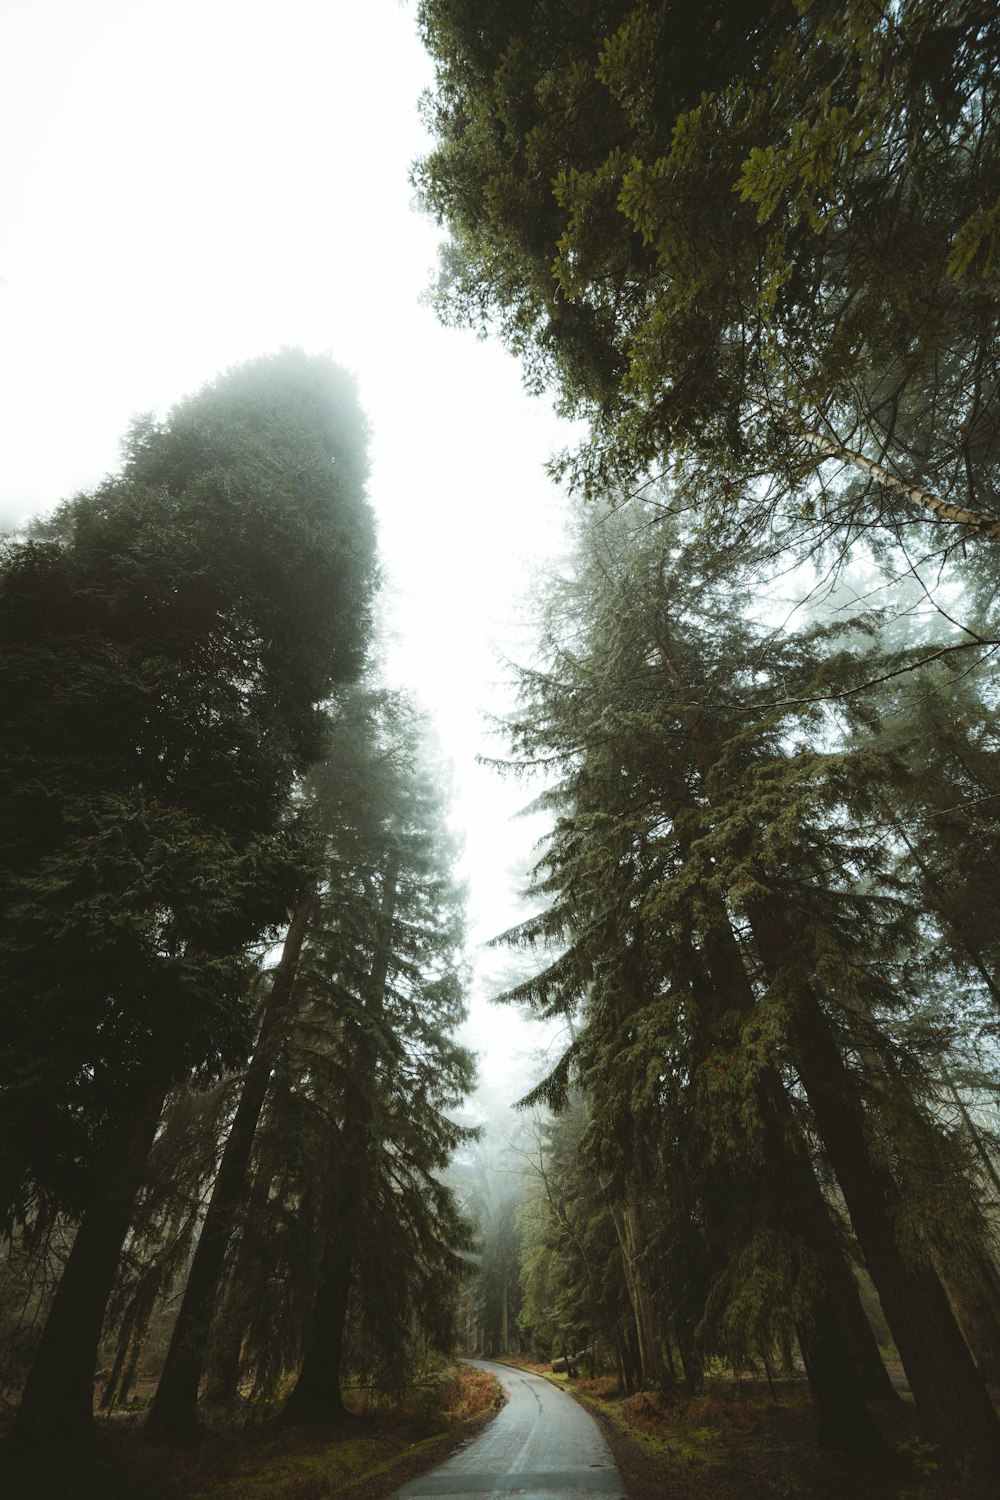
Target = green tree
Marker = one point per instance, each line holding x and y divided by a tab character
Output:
713	860
575	1290
497	1285
357	1127
339	809
758	237
488	1181
367	990
169	639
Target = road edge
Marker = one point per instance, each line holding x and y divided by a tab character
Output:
381	1483
643	1473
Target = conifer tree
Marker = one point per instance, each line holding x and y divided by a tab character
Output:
370	983
488	1180
572	1271
710	871
339	806
387	999
168	641
761	237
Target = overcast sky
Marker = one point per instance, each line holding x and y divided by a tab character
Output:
185	185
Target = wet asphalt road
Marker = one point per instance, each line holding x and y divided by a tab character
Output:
542	1446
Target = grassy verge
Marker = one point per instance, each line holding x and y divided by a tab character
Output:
365	1457
735	1442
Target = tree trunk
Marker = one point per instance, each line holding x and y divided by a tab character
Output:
619	1365
225	1350
631	1348
109	1397
316	1397
505	1320
224	1355
839	1318
694	1370
668	1355
132	1368
853	1321
969	1293
843	1421
949	1392
173	1414
837	1372
787	1354
628	1227
131	1339
57	1407
842	1365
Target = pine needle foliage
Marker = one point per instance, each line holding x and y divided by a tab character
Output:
357	1128
721	838
755	242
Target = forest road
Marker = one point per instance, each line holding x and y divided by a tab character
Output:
542	1446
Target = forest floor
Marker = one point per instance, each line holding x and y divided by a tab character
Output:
735	1441
366	1457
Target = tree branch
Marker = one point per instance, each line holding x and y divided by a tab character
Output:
957	514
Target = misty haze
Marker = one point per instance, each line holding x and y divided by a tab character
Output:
499	793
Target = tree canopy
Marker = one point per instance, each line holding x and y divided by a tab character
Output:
747	237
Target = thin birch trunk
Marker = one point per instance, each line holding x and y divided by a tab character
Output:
942	509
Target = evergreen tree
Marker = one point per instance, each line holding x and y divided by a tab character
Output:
710	870
168	641
390	999
488	1181
575	1291
497	1286
339	1126
339	808
761	237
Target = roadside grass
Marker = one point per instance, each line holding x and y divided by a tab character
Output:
370	1444
376	1448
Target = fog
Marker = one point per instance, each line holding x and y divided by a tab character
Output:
192	186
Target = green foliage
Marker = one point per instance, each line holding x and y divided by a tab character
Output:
571	1270
168	640
710	227
701	782
359	1110
751	245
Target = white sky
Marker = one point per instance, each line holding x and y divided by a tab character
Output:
185	184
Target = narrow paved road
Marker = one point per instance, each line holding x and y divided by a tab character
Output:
542	1446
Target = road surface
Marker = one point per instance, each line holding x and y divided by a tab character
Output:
542	1446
